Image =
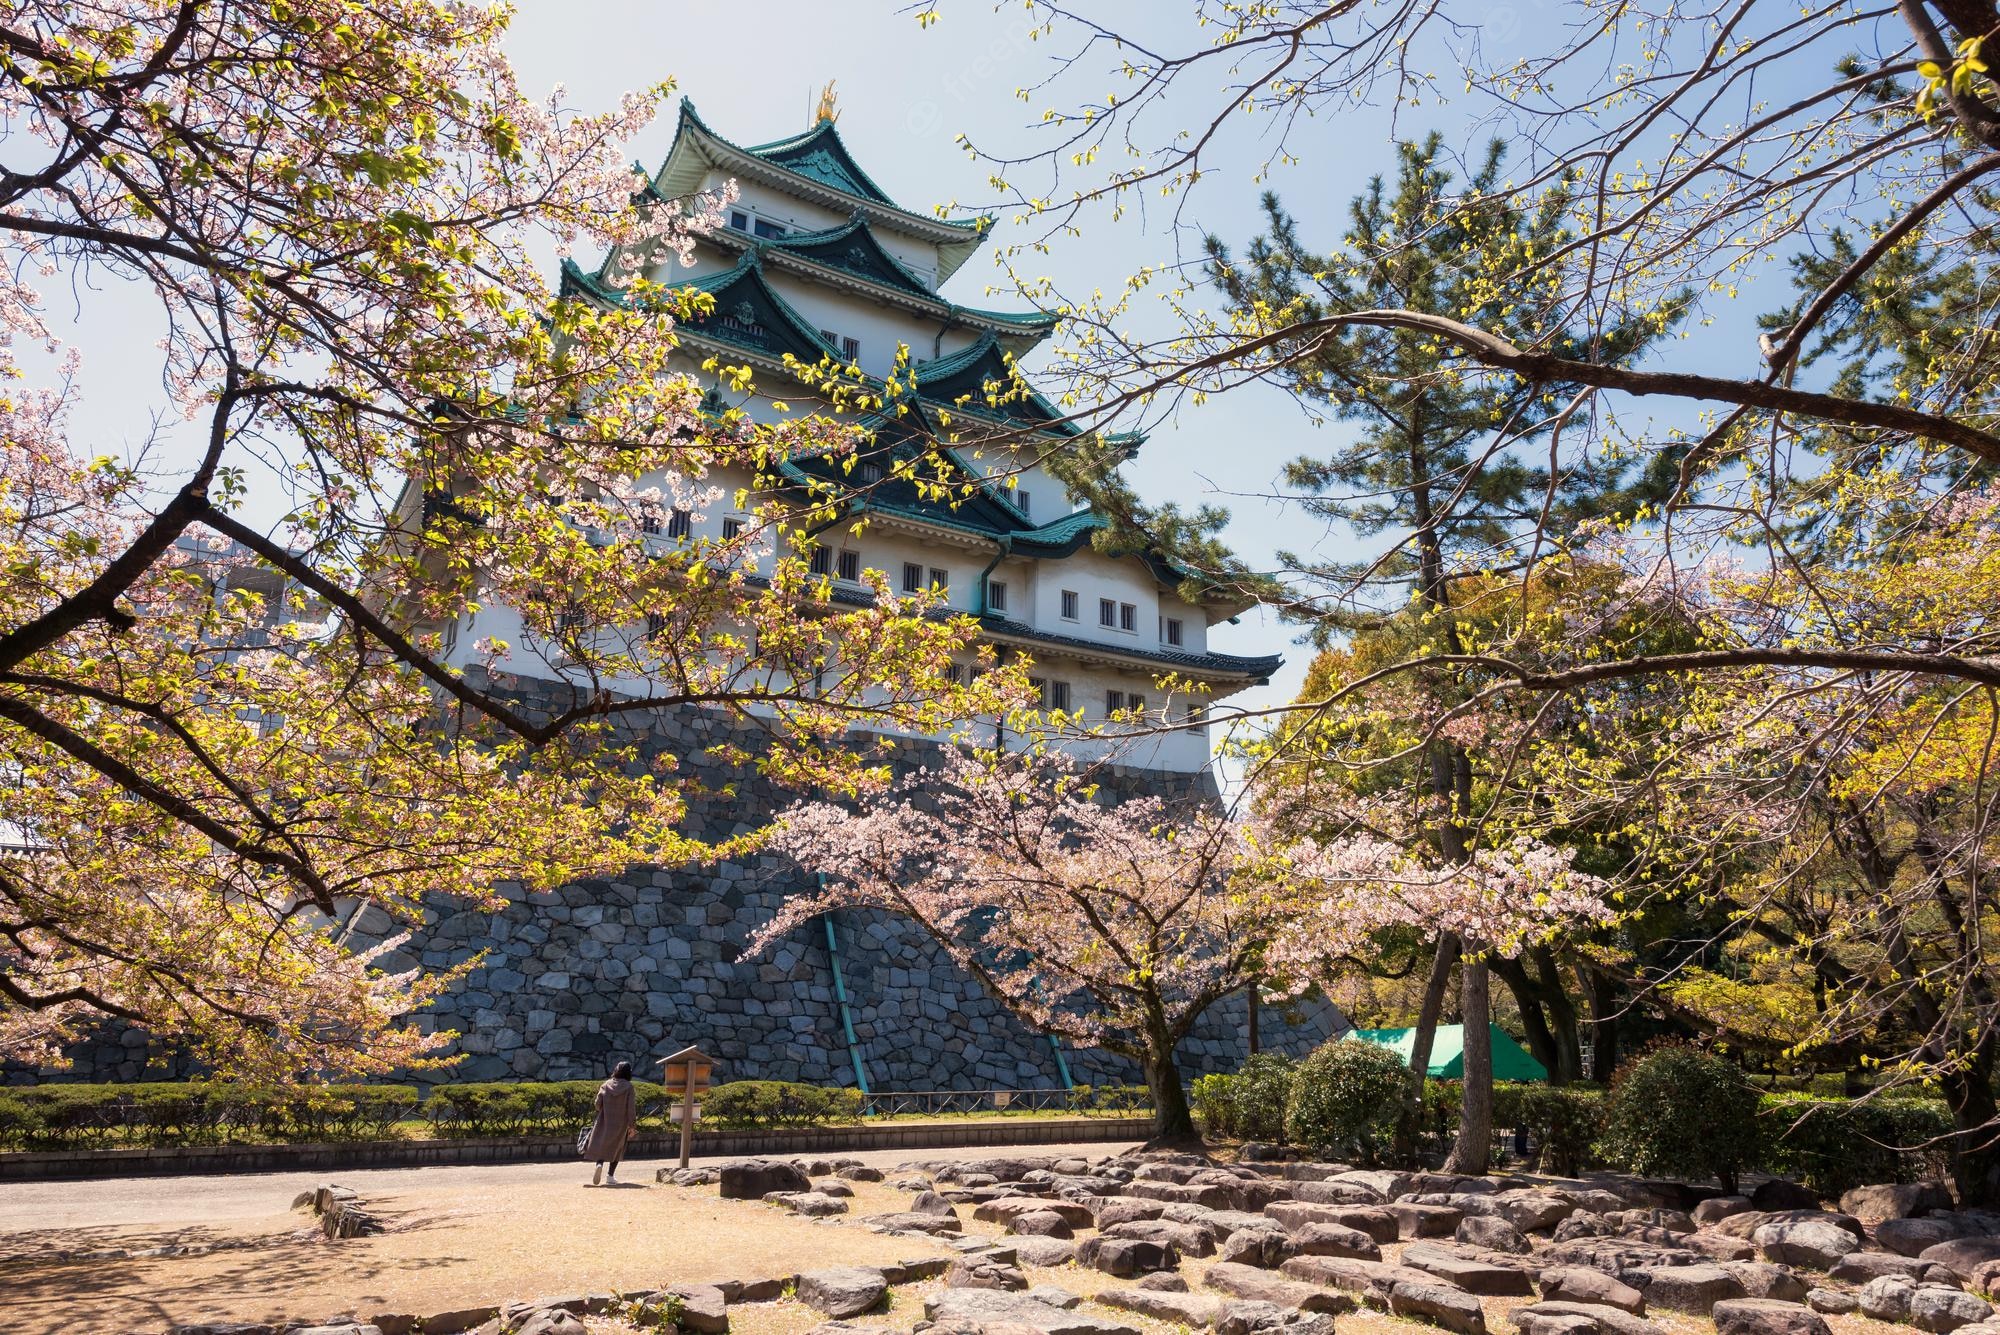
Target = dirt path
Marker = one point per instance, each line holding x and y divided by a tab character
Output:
455	1237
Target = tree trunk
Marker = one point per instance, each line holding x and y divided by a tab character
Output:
1968	1091
1603	1024
1250	996
1562	1018
1475	1121
1172	1122
1409	1125
1528	997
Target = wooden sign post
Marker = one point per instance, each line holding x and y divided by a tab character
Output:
686	1072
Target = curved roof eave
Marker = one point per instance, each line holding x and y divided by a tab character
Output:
955	241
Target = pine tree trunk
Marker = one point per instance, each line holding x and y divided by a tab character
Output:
1409	1126
1475	1122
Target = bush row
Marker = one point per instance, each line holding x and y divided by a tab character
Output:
82	1116
1675	1112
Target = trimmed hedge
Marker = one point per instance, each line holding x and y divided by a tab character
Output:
764	1104
1680	1112
198	1113
1832	1145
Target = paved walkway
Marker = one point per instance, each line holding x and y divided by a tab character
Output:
152	1202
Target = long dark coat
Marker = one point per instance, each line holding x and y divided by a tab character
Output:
617	1119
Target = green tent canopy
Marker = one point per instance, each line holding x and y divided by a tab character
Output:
1510	1062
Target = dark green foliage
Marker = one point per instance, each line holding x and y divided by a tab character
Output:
519	1108
1249	1105
765	1104
1345	1097
1565	1121
1680	1112
1831	1145
1110	1098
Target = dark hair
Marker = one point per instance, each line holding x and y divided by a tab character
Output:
624	1071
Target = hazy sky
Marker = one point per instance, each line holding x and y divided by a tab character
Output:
905	93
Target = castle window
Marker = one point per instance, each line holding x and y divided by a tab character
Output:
870	470
649	523
680	524
1128	617
850	567
1107	612
739	220
996	595
941	580
1058	697
850	348
1136	703
1069	604
656	625
1023	501
822	560
1114	701
1173	636
732	529
770	231
913	577
1196	716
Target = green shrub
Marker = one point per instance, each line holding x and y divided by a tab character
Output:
1680	1112
1214	1103
1833	1144
1263	1092
765	1104
1564	1121
1345	1098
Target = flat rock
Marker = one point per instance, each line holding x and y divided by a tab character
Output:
1007	1209
1369	1280
1886	1297
1041	1224
1265	1248
1044	1251
812	1204
1334	1240
1472	1274
1778	1194
991	1309
1895	1200
1127	1258
927	1201
1496	1234
1760	1279
1439	1304
1123	1209
1688	1288
1185	1238
913	1222
1766	1316
973	1272
1830	1302
1914	1237
1814	1243
1181	1309
1961	1256
1718	1208
1335	1191
1537	1318
1934	1307
703	1308
1580	1284
1424	1221
1257	1285
754	1179
842	1291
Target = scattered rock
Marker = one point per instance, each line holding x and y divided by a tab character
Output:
1439	1304
1718	1208
1961	1256
1830	1302
1421	1221
1164	1281
1914	1237
1689	1288
859	1173
1778	1194
1468	1273
754	1179
1256	1285
1041	1224
1762	1280
1181	1309
1766	1316
842	1291
1580	1284
1265	1248
1127	1258
1886	1297
1895	1200
1334	1240
1007	1209
1815	1243
979	1273
1125	1210
703	1308
1935	1307
995	1312
812	1204
1044	1251
1495	1234
927	1201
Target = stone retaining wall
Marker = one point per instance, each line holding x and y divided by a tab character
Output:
638	965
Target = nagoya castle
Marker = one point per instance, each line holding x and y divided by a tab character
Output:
817	261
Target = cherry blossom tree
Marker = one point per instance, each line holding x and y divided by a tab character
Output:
227	720
1113	926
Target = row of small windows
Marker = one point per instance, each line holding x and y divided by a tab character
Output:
846	565
742	220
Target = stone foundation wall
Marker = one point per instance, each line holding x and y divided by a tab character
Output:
637	966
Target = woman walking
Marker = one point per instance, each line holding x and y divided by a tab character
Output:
617	1119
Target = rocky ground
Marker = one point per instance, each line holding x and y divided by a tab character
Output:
1141	1243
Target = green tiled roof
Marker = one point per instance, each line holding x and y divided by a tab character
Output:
820	155
962	382
853	248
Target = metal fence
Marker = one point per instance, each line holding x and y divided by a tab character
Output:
966	1102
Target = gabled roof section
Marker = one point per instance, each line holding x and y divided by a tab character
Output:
853	249
820	154
748	314
980	379
816	166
